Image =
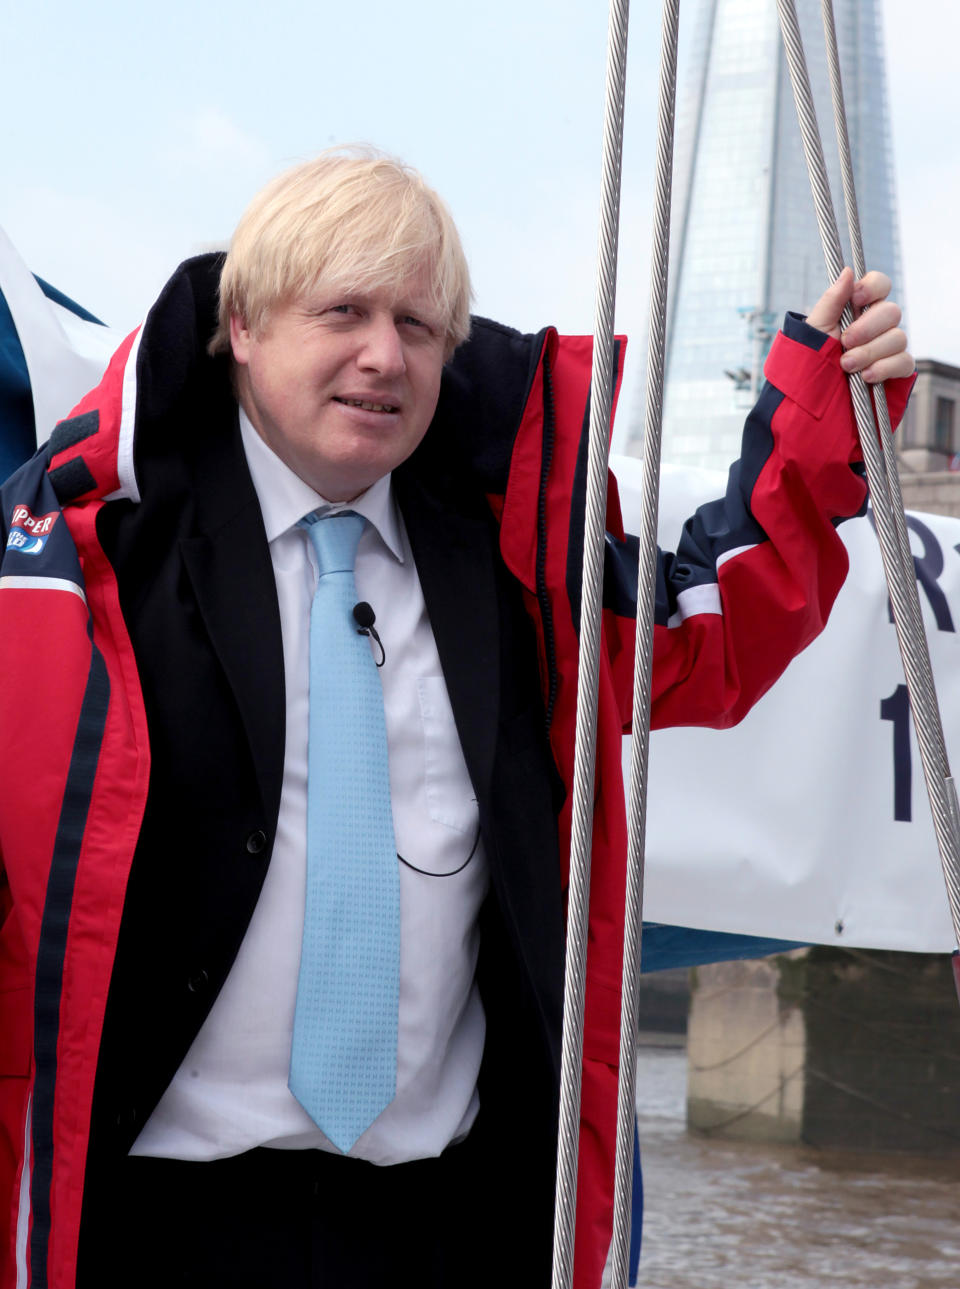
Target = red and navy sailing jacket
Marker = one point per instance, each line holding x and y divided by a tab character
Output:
750	586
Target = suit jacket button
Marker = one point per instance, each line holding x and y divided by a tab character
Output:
127	1118
198	983
256	841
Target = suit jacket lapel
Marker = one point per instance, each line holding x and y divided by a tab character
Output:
454	551
232	577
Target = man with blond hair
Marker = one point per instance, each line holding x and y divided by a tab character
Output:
283	931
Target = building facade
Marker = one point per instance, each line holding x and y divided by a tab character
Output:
929	441
745	246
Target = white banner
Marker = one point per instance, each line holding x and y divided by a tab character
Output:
809	821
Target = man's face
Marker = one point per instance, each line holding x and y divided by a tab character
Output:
342	385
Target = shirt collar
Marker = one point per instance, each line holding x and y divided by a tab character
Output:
285	498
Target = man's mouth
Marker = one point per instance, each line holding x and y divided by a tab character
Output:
367	406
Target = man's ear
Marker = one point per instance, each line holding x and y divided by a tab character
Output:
239	339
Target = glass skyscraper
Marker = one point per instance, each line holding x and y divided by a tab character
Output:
745	245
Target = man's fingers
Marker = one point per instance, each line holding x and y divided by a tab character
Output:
859	356
881	318
825	314
875	346
881	369
872	287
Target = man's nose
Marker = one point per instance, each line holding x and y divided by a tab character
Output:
383	347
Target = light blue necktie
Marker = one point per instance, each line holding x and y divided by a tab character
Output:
343	1065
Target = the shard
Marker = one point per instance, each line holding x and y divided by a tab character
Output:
745	245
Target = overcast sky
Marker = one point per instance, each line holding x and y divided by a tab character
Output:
135	135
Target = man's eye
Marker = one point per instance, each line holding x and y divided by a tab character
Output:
409	320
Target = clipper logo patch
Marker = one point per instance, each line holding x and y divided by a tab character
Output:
29	532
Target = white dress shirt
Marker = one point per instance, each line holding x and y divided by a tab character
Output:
230	1094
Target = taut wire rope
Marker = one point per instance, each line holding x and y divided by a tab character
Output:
859	268
892	498
578	894
643	663
897	561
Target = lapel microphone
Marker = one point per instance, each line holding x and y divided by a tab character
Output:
365	617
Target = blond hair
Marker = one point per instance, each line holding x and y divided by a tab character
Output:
353	219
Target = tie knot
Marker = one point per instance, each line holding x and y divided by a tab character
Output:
335	539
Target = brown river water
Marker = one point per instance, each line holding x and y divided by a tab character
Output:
723	1214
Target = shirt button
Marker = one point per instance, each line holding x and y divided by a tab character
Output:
256	842
198	982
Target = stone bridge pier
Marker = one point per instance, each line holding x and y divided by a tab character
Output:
846	1049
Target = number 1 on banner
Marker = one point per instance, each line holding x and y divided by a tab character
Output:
896	708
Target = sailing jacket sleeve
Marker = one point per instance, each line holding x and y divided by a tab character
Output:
756	572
